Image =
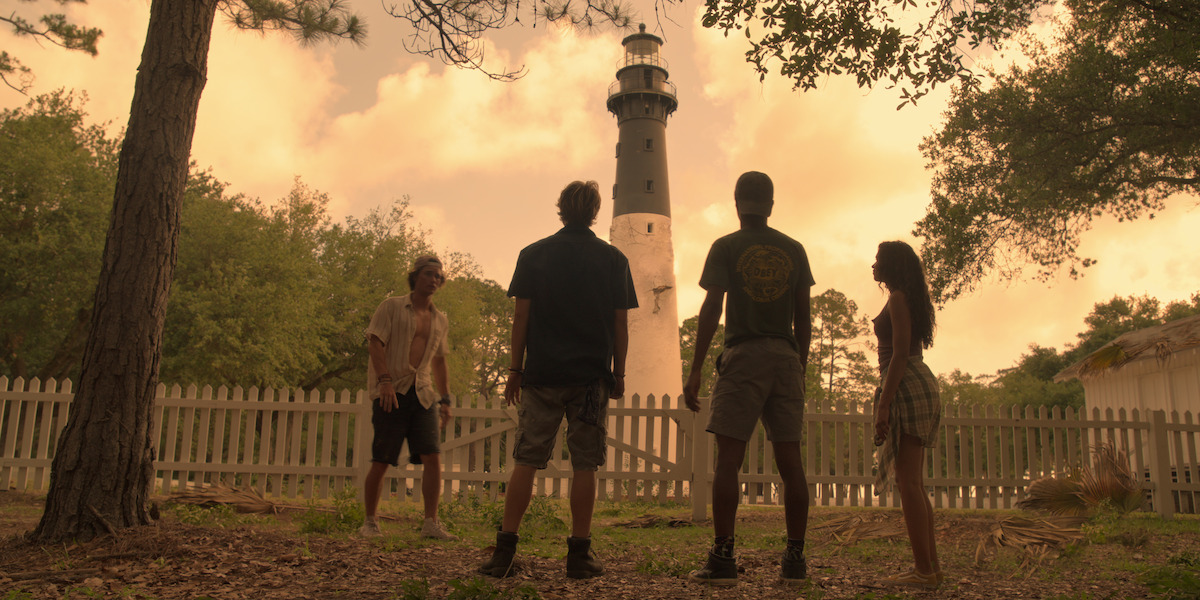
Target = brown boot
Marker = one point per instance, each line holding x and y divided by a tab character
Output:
501	562
580	562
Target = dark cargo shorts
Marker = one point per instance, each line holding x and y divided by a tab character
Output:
541	414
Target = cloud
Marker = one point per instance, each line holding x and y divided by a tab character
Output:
483	161
428	123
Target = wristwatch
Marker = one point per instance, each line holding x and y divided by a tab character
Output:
445	401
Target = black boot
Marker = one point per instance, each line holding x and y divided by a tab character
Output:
580	562
501	562
717	570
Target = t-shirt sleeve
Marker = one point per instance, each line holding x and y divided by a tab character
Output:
521	286
716	269
805	271
381	323
624	293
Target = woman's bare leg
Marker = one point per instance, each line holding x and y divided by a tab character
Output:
914	502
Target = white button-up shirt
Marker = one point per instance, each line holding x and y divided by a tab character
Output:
394	323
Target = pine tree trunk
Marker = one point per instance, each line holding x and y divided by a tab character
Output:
104	464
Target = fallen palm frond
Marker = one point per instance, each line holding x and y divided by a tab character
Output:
1108	481
649	521
247	501
851	529
1111	480
1038	539
1054	495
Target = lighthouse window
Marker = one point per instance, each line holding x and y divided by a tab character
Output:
618	149
649	227
649	185
647	109
650	144
614	191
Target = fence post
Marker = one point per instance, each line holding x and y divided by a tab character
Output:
361	461
1160	465
701	459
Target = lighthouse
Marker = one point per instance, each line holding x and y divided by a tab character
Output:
642	98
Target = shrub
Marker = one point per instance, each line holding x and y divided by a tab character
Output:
346	516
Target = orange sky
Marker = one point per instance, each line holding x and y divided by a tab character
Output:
483	161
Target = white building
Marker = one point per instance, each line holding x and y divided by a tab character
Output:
1157	368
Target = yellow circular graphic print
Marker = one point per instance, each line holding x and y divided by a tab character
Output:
765	271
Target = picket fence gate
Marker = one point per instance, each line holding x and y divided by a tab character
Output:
293	443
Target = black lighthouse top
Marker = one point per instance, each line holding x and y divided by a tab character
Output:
642	72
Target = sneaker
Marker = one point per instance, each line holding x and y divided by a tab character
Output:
913	579
370	529
793	568
718	570
434	529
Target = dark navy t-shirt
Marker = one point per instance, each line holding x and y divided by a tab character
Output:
760	270
575	282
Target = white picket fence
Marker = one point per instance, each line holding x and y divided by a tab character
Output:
308	444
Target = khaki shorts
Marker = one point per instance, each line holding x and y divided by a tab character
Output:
757	379
541	414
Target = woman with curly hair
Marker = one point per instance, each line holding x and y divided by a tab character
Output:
907	405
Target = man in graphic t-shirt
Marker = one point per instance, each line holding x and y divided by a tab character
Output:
764	280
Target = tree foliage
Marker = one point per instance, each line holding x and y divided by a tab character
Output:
264	294
838	366
56	185
246	306
1103	121
452	30
51	27
908	44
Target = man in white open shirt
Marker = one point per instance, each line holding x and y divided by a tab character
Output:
407	343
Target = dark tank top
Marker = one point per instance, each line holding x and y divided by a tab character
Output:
883	336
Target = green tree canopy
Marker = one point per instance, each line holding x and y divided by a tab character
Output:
1105	120
56	185
838	364
264	295
909	44
245	306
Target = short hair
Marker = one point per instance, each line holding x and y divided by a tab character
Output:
418	265
579	203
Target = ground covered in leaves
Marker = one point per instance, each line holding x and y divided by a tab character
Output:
195	553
